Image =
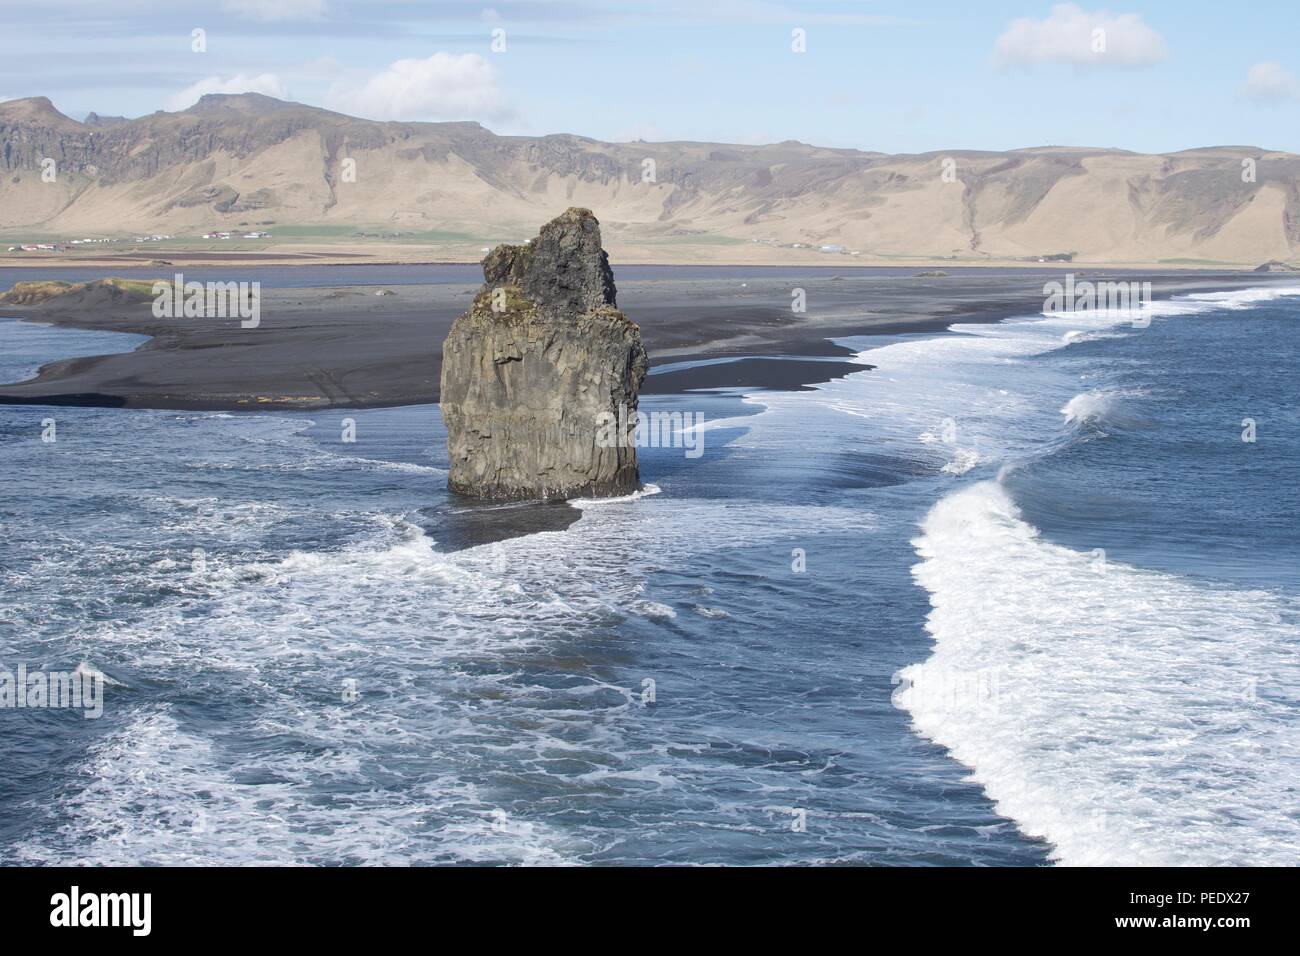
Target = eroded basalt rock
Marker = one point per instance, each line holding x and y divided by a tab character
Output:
538	369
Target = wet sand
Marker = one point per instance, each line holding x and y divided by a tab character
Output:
349	347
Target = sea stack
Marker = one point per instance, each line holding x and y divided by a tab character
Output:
540	377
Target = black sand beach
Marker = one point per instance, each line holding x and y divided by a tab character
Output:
366	346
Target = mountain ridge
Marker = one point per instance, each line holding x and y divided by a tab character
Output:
236	159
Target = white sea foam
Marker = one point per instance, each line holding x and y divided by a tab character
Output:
945	400
1127	716
1192	304
963	460
157	792
86	669
643	492
1075	336
385	465
709	612
435	642
1088	407
1244	298
1124	715
978	379
654	609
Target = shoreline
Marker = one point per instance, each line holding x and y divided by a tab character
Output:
324	347
314	257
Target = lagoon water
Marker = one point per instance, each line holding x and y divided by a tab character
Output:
1019	594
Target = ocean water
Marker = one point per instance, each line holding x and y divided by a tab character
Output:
1019	594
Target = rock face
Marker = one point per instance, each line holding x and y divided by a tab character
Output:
540	376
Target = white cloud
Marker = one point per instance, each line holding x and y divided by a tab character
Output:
272	10
1073	35
1270	82
267	83
442	87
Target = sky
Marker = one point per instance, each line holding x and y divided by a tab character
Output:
896	77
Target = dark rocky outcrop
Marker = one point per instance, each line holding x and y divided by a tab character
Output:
1274	265
541	371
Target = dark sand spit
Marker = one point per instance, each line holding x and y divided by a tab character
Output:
350	347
